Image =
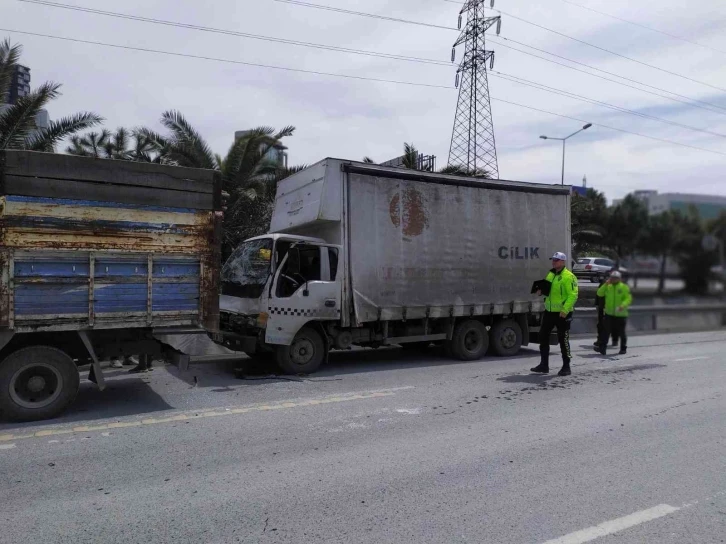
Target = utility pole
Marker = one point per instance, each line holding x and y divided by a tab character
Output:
472	141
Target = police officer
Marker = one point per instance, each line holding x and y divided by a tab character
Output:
617	301
559	305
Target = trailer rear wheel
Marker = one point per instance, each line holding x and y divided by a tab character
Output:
506	337
304	355
470	341
37	382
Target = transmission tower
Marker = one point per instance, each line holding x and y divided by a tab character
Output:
472	140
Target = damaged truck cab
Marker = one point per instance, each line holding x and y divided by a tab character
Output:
366	255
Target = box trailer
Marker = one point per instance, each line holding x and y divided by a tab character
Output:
367	255
97	258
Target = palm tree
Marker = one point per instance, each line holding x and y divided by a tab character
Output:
249	176
461	171
92	144
121	145
18	128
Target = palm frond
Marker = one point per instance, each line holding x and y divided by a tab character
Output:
368	160
46	139
18	121
9	57
120	142
196	152
410	156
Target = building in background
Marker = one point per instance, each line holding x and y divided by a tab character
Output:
20	88
20	84
276	154
708	206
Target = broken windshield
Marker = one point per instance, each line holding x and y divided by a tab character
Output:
246	271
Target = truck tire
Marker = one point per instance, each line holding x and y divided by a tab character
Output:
506	337
304	355
470	340
37	382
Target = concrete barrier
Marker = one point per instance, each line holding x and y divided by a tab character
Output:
662	317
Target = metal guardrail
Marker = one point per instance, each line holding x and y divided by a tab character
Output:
665	308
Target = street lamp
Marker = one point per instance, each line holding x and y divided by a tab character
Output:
563	140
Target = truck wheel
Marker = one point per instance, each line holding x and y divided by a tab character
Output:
37	382
506	337
304	355
470	340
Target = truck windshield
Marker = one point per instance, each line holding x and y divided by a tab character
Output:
246	271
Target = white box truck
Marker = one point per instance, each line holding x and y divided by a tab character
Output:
366	255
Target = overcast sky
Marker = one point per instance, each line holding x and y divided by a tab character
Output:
350	118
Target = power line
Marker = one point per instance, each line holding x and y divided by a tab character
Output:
200	57
562	92
689	101
644	26
230	61
274	39
406	21
348	50
595	47
362	14
608	127
355	51
375	53
631	59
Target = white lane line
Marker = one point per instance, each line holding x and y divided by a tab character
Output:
691	359
6	446
615	525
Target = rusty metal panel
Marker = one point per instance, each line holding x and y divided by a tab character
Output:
63	249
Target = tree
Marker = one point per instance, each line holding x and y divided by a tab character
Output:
625	226
589	217
411	160
120	145
249	176
461	171
659	240
92	144
18	129
694	261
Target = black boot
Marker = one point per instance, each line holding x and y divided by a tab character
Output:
541	368
623	351
602	350
565	370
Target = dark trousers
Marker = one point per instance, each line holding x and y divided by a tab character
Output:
601	325
550	320
615	326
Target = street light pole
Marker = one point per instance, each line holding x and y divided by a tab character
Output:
563	140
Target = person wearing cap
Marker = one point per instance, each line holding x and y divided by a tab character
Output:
559	305
617	301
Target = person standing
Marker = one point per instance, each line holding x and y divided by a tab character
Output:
559	306
617	301
600	304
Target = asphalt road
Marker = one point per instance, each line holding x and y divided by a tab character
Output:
386	447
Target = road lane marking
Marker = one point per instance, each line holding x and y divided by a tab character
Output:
615	525
206	413
7	446
691	359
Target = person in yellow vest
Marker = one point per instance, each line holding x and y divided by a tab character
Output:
617	301
559	305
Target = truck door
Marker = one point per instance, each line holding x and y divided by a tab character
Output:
306	288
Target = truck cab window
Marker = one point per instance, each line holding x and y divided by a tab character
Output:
333	258
302	266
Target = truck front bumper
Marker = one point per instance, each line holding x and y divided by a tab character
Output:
237	342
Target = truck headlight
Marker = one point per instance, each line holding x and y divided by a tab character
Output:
262	320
